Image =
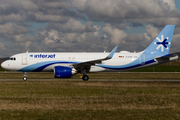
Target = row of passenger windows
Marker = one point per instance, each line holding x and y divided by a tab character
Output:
12	58
129	57
125	57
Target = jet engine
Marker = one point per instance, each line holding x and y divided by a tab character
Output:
63	72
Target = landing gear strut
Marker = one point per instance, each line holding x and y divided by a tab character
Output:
25	76
84	77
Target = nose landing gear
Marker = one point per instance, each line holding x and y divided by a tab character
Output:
25	76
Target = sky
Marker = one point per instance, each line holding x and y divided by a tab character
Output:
84	25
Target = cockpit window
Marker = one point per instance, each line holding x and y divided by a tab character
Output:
12	58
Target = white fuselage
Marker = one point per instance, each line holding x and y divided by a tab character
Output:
45	62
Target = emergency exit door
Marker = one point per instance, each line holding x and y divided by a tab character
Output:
24	59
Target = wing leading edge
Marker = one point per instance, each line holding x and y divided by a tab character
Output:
93	62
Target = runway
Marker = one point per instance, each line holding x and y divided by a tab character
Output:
98	80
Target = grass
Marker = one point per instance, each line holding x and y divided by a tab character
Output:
89	100
63	99
159	68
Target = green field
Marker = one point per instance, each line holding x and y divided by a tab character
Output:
159	68
55	100
61	99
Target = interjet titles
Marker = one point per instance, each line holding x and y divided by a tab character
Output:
44	56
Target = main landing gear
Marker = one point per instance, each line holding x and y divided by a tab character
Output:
85	77
25	76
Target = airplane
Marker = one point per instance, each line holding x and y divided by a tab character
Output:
67	64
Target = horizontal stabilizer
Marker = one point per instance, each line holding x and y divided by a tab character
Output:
167	58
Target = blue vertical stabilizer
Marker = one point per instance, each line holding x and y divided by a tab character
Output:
161	44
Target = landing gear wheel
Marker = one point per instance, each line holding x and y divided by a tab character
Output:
24	78
85	77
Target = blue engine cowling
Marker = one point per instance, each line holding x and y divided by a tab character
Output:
62	72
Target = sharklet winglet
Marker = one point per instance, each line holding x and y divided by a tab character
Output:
112	53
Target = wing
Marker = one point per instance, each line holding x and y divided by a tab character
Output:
87	64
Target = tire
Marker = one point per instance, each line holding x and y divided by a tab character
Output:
25	78
85	77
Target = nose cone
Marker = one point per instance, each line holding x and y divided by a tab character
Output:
4	65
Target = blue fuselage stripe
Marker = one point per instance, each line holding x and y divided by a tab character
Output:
125	68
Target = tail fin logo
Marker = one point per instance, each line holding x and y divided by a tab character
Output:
162	43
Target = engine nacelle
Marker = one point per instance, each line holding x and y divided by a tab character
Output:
63	72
